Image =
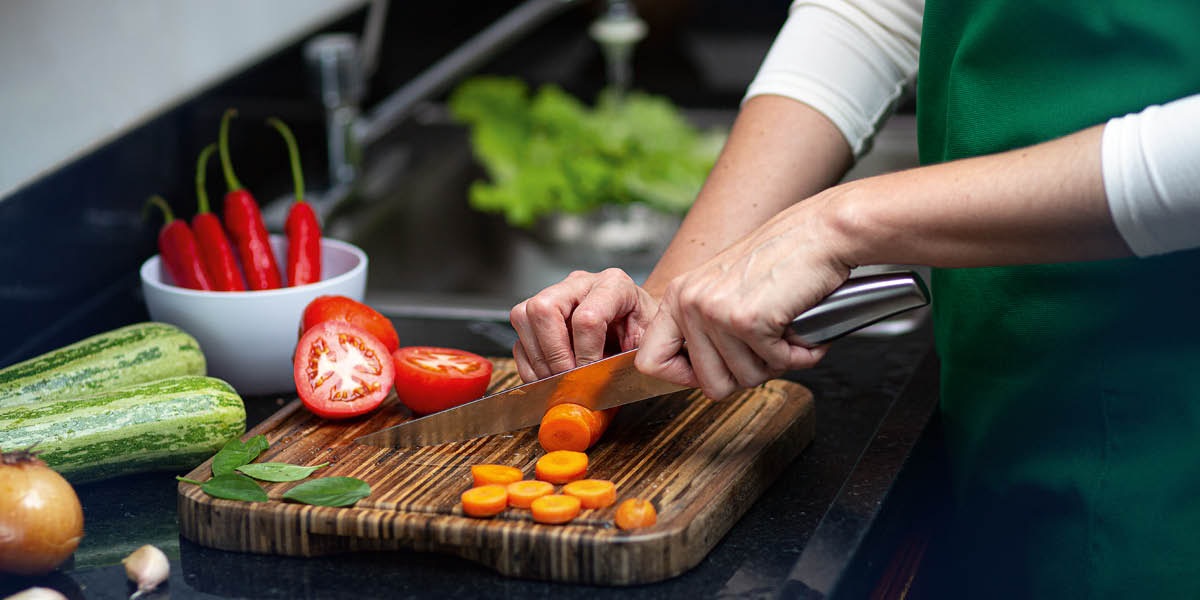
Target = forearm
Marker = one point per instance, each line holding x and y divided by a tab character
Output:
779	152
1045	203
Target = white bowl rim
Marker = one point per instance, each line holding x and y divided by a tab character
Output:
158	284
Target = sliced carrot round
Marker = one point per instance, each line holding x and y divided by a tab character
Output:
635	513
555	509
485	501
495	474
561	466
592	493
522	493
567	427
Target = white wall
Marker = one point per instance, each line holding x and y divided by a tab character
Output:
75	74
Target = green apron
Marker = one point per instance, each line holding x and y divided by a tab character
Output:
1070	392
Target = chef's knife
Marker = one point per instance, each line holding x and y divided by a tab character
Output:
614	381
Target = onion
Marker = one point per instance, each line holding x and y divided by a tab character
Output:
41	520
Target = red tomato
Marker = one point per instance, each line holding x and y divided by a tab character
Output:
341	370
341	308
429	379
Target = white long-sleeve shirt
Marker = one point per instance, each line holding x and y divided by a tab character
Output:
853	61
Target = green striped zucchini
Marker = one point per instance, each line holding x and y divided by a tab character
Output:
173	423
119	358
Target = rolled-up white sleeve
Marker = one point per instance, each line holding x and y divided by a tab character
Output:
1151	169
851	61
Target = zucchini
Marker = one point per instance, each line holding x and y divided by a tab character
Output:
173	423
133	354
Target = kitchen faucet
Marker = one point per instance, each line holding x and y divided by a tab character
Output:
340	65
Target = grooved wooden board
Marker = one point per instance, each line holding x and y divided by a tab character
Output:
702	463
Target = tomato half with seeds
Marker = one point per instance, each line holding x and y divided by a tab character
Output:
342	370
429	378
344	308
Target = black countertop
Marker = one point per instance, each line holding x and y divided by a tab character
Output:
803	538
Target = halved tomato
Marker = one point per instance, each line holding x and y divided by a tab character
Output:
343	308
341	370
429	378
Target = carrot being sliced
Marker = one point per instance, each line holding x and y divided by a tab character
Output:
592	493
566	427
485	501
561	466
555	509
570	426
635	513
498	474
522	493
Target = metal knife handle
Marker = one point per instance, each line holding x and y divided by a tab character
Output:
858	303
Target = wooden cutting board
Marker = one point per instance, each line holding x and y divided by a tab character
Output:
702	463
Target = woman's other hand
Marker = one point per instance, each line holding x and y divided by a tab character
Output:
569	323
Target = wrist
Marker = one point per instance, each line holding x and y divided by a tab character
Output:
847	226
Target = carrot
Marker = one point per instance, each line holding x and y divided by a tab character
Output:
555	509
484	501
522	493
566	427
498	474
634	513
561	466
570	426
592	493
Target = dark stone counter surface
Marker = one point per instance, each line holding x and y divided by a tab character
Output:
874	398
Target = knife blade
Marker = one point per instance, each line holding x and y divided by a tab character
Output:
614	381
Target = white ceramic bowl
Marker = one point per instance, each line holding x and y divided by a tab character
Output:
248	338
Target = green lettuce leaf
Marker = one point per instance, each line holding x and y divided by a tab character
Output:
548	151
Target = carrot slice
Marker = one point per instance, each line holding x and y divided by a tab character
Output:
498	474
485	501
592	493
570	426
522	493
566	427
634	513
555	509
561	466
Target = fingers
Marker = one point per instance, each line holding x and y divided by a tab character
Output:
611	297
730	344
567	324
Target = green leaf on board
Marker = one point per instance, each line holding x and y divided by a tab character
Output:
235	453
329	491
231	487
277	471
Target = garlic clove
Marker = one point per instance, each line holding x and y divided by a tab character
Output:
147	567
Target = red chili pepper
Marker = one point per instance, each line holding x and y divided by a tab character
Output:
303	230
215	250
177	246
244	222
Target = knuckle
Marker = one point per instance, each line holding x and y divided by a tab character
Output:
540	305
587	319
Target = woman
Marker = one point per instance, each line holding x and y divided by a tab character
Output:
1059	203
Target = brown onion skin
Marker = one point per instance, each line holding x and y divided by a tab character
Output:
41	519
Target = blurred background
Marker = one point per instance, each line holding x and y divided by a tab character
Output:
107	103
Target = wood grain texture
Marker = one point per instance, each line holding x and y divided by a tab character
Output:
702	463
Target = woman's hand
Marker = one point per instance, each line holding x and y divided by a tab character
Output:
569	323
734	310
